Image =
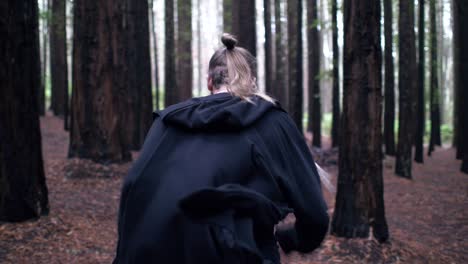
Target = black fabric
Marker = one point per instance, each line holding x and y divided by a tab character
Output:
213	177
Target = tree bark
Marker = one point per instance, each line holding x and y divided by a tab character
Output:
456	78
420	113
281	73
359	200
407	86
435	137
314	50
268	47
184	50
336	79
227	16
389	116
170	84
244	24
58	58
100	77
45	46
295	62
460	10
23	189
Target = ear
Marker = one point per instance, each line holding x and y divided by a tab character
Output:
209	83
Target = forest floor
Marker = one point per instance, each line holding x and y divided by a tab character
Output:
427	216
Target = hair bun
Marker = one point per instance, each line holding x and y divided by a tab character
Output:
229	41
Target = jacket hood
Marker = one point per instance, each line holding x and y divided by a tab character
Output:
221	111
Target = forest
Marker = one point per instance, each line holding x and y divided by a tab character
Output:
377	89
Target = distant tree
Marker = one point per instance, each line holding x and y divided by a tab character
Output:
281	59
58	58
420	105
184	49
389	111
460	15
240	20
23	189
359	200
295	62
100	78
336	78
406	86
170	83
45	48
155	52
314	50
435	137
268	48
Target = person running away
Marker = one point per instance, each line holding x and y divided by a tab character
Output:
217	173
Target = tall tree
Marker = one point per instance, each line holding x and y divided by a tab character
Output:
199	48
58	58
359	200
420	113
240	19
45	47
23	190
336	78
460	15
406	86
184	49
155	54
295	62
170	84
313	42
268	47
389	111
98	128
281	59
435	138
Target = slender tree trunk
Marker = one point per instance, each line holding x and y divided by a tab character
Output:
295	62
460	10
45	46
407	86
155	52
100	77
389	116
456	78
58	58
23	189
268	47
170	84
227	15
243	24
313	42
184	49
435	138
420	113
281	73
199	49
336	78
359	200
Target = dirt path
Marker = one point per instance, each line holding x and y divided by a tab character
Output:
427	216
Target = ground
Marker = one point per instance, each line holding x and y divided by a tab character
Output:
427	216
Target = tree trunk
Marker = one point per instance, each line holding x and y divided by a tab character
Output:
100	77
295	62
227	16
268	48
281	73
359	200
155	52
244	24
460	10
313	42
456	79
389	116
435	138
170	84
58	58
336	78
199	49
45	46
406	86
420	113
23	189
184	49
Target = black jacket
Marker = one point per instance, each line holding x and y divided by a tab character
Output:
214	176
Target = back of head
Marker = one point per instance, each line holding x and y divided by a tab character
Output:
234	68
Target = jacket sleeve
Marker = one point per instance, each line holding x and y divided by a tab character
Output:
288	159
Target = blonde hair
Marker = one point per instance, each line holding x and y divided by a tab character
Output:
235	68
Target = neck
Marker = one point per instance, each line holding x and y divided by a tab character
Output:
221	89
